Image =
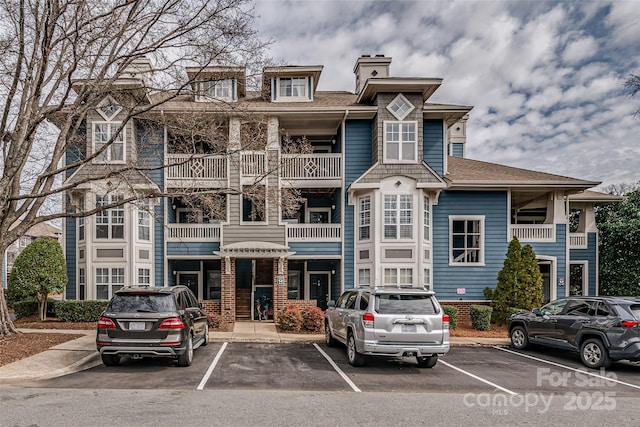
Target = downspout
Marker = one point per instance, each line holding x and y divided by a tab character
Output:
343	195
165	273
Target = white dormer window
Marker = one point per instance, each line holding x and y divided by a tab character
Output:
291	89
107	133
400	142
222	90
108	108
400	107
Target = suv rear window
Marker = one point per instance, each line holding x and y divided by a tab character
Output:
405	304
143	303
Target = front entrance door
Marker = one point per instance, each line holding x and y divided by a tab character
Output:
189	280
319	288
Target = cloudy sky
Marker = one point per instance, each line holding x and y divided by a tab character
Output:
545	77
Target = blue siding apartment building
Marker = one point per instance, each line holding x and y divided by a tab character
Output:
385	195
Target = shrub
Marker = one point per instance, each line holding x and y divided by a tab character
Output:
25	308
452	311
290	319
481	317
215	321
312	319
79	311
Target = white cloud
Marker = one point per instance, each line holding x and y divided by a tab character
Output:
545	78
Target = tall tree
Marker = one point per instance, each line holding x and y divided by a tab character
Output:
619	237
61	58
633	83
39	270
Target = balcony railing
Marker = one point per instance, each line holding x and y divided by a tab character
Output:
199	169
534	232
253	163
311	166
316	232
193	232
578	240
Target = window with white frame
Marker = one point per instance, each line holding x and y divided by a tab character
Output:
398	276
292	87
364	276
110	222
219	89
466	240
364	222
400	107
108	281
426	220
82	284
400	142
81	220
144	220
144	276
398	216
427	278
106	133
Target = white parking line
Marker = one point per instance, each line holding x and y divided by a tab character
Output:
338	370
211	367
582	371
478	378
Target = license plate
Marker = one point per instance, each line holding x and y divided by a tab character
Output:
409	328
136	326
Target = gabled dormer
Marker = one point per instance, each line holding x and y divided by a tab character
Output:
291	83
223	84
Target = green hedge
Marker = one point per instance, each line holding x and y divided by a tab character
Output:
452	311
481	317
79	311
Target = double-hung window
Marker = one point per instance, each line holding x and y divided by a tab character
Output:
144	223
108	280
398	216
110	222
293	87
106	133
400	142
364	276
218	89
398	276
364	223
467	240
144	276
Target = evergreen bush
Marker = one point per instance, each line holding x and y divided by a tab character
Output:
452	311
290	319
312	319
481	317
79	311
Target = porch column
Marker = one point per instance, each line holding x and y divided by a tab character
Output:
280	281
228	290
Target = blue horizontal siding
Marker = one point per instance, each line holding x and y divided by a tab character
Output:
447	279
70	256
433	145
590	255
312	249
557	249
192	248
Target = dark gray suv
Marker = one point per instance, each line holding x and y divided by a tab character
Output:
601	329
152	322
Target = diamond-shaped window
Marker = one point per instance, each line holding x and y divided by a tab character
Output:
400	107
108	108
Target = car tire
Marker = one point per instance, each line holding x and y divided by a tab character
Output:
110	359
594	354
427	361
354	358
519	338
206	335
328	336
186	358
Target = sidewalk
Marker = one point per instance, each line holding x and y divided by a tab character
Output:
80	354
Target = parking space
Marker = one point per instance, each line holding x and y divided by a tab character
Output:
309	367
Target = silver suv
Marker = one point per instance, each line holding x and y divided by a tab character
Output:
388	321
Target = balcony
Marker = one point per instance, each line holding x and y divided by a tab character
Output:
196	170
578	241
316	170
533	232
315	232
193	233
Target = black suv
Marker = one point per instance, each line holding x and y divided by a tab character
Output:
152	322
601	329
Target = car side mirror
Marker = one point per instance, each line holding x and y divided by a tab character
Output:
537	312
331	303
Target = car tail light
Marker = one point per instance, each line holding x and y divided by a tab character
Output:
630	323
106	323
172	323
445	321
367	320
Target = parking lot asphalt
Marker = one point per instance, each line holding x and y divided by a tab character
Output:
80	354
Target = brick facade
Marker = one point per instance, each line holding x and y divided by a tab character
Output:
464	308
